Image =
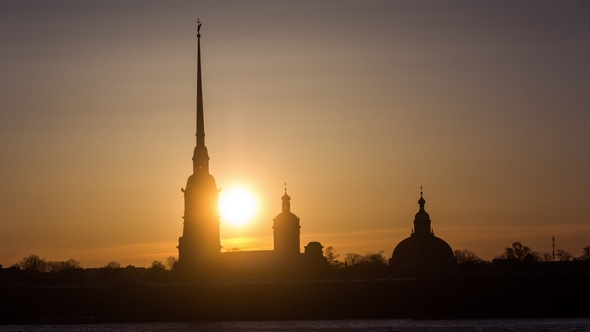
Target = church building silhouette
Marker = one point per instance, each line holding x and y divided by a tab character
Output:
422	253
199	247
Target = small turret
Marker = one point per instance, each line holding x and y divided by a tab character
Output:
286	202
422	218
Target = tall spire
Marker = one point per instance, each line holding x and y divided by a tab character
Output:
199	245
200	118
200	156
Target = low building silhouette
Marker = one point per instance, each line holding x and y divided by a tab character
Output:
285	261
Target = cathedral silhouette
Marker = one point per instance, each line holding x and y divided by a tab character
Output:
199	247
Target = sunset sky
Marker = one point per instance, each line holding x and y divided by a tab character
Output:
355	104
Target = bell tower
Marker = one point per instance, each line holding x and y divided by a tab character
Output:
286	229
199	246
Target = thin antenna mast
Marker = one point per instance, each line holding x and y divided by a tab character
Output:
553	238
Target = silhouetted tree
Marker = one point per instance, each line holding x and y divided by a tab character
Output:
368	261
375	260
352	259
170	260
332	256
58	266
157	265
369	265
36	265
112	265
563	255
544	256
585	254
517	251
72	264
465	255
32	264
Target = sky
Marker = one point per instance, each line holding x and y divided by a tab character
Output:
354	104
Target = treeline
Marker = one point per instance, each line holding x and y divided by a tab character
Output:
35	265
517	251
351	265
520	252
377	265
355	265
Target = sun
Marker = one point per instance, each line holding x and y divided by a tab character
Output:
237	206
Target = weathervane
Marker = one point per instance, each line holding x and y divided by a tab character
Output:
199	27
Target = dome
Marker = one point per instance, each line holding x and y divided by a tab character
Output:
422	252
286	198
287	203
287	216
422	248
421	201
422	215
314	248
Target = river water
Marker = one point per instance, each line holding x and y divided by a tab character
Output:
401	325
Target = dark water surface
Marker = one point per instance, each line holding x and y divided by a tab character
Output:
536	325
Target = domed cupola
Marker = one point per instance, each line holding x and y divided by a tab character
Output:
286	202
422	219
422	252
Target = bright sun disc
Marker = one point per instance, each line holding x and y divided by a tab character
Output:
237	206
